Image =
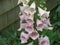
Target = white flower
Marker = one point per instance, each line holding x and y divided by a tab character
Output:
23	17
24	37
33	5
41	11
44	41
23	8
29	11
43	14
47	21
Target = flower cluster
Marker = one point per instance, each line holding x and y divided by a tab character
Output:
27	22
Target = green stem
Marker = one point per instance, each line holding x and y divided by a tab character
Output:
37	2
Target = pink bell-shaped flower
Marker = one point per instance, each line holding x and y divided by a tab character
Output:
24	37
40	25
44	41
34	35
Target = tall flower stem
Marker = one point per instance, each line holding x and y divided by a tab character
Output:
37	3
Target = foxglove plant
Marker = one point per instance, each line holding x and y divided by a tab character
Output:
26	16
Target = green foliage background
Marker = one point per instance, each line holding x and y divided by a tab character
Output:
12	36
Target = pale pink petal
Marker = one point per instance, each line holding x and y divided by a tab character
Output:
22	26
30	43
41	11
47	21
43	18
24	37
34	35
30	17
23	8
30	20
23	17
43	14
33	5
26	11
29	28
39	22
32	11
46	26
48	12
44	41
40	25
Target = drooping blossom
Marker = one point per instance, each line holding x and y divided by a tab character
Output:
29	28
34	35
45	24
24	37
47	21
40	25
23	17
29	11
44	41
32	9
31	43
43	14
23	8
30	20
33	5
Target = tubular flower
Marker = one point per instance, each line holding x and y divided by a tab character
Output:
44	41
40	25
27	21
29	29
43	14
24	37
34	35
